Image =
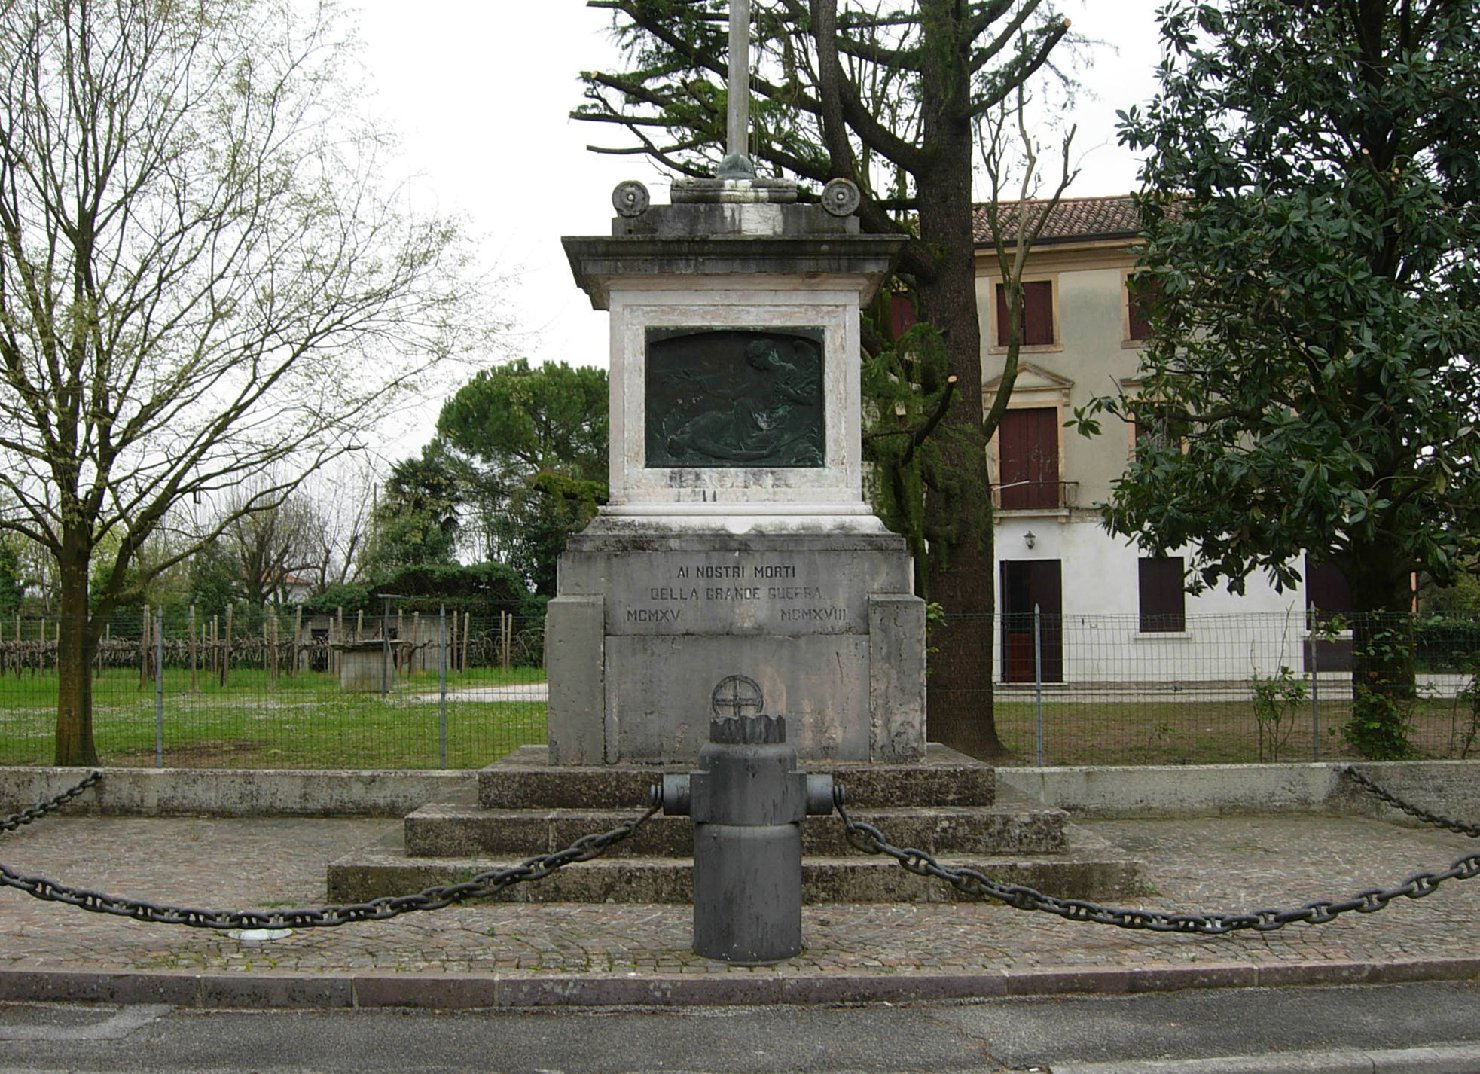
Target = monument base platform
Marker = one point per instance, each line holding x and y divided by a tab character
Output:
657	630
946	804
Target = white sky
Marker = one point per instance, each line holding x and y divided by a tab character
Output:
479	91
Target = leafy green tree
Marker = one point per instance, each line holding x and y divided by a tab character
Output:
894	96
1310	210
201	278
533	444
215	578
12	580
415	522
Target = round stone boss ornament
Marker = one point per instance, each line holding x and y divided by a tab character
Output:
630	198
840	197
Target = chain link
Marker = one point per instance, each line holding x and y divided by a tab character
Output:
379	909
1361	780
870	840
40	809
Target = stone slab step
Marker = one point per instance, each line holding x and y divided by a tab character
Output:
460	829
1090	868
525	778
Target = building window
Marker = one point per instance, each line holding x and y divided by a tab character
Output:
1028	459
1327	591
1141	294
1037	314
1163	598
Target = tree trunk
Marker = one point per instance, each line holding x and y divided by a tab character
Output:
1382	654
76	647
958	511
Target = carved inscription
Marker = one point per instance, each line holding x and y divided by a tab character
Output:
761	593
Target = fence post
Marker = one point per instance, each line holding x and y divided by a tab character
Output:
385	648
143	647
226	648
442	685
190	633
159	690
297	651
1315	692
1038	685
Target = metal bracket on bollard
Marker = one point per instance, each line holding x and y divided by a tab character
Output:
747	801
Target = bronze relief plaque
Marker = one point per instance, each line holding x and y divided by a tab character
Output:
734	397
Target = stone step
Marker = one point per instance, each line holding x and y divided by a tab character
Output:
524	779
1089	868
459	829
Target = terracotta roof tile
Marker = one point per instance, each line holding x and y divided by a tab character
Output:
1072	219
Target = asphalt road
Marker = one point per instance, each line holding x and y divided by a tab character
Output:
1402	1029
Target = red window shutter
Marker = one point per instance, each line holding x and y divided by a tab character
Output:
1028	459
1140	296
901	314
1037	314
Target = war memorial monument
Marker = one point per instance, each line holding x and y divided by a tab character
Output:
736	588
736	568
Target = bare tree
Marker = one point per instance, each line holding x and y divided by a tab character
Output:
343	500
203	283
272	545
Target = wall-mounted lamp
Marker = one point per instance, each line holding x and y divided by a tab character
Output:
1030	538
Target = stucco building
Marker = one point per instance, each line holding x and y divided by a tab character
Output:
1112	613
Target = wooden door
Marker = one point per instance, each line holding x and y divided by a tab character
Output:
1027	584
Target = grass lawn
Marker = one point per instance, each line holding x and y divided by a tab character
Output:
306	721
1207	732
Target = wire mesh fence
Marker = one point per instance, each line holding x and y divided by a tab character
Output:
394	690
1083	690
414	690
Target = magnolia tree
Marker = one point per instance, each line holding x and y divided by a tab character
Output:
1310	205
204	285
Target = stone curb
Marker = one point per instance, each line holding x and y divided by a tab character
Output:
1435	1059
464	991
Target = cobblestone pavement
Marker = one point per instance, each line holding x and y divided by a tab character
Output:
485	954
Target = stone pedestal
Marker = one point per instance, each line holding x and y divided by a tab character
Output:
736	569
656	632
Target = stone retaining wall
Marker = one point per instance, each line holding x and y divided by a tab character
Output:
1451	788
1447	787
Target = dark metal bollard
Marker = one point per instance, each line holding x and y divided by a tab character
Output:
748	801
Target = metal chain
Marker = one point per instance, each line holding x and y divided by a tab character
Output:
1472	830
40	809
969	881
379	909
